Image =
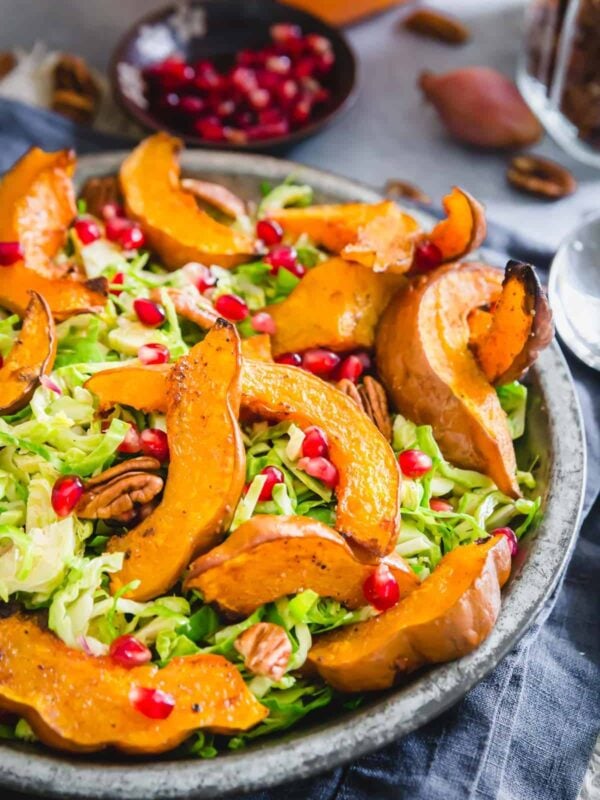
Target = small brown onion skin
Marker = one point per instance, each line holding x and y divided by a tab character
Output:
481	107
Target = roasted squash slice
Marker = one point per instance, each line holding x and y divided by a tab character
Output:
258	347
206	471
432	376
52	687
175	226
350	301
272	556
378	235
448	616
37	205
464	228
519	327
367	494
31	356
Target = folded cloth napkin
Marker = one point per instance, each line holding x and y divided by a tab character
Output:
528	729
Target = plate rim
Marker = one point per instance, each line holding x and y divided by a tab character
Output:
400	710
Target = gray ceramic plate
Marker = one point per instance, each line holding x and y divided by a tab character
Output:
554	432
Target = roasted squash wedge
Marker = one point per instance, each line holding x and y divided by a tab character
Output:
377	235
258	347
272	556
367	494
37	205
175	226
206	471
431	375
31	356
464	228
52	686
448	616
350	301
519	327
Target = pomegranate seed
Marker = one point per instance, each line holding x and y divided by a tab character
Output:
131	442
278	64
259	98
269	231
112	210
192	105
301	111
154	442
207	77
200	276
10	253
435	504
132	238
263	322
152	703
325	62
322	469
315	443
414	463
273	477
154	353
149	313
319	361
511	536
243	79
285	32
381	589
114	228
225	108
292	359
351	369
210	129
231	307
365	360
306	67
129	652
282	256
118	279
318	44
427	256
87	231
66	493
236	135
269	131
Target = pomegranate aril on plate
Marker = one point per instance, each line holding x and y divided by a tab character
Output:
315	443
381	589
269	231
154	353
149	313
10	253
114	228
320	361
152	703
132	238
129	652
414	463
210	128
273	476
511	536
117	279
427	256
263	322
154	442
231	307
435	504
320	468
112	210
66	493
282	257
131	443
351	368
285	32
190	104
291	359
87	231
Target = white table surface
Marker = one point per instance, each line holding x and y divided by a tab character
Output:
389	133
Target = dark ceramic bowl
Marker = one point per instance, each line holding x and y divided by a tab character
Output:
218	29
554	432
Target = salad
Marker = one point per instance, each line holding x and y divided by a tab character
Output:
256	458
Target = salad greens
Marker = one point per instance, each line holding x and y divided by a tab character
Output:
59	564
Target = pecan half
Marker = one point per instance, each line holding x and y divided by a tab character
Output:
396	189
540	177
97	192
437	25
76	93
215	195
8	61
121	493
375	402
266	649
189	304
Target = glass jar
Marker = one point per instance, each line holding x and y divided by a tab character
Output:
559	73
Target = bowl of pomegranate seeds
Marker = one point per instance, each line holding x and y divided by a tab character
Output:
231	75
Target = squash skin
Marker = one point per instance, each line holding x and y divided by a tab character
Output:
54	687
377	235
31	357
520	327
272	556
351	300
206	472
38	205
464	228
448	616
432	377
176	228
368	510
